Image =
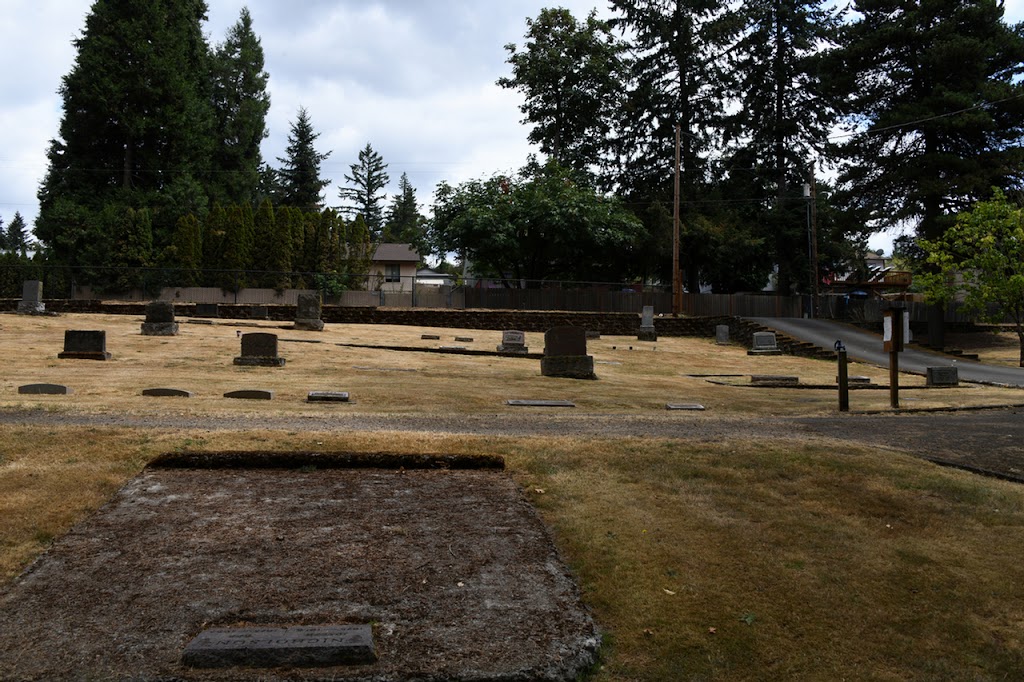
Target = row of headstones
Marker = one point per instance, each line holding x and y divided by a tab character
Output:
244	394
160	320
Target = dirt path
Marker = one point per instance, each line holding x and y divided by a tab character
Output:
990	441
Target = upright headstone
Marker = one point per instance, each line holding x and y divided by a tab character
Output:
207	310
160	319
307	314
765	343
513	342
942	376
647	331
565	354
722	335
259	349
84	345
31	298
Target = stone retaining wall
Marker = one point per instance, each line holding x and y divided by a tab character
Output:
523	320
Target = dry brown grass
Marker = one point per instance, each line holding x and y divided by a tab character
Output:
994	346
732	560
200	359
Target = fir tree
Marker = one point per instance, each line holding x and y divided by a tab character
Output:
404	223
366	191
267	247
214	234
241	104
934	101
16	238
131	244
137	115
187	250
299	175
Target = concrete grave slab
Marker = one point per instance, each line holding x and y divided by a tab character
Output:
540	403
773	379
453	567
44	389
684	407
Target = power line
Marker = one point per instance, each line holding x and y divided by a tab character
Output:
925	120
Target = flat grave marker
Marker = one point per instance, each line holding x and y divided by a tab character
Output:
299	647
773	379
540	403
685	407
250	394
327	397
166	393
464	339
431	337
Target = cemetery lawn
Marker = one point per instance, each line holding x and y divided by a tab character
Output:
736	558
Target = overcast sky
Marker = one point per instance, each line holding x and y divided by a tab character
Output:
415	78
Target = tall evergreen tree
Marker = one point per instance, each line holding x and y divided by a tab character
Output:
267	246
215	230
130	234
241	104
16	238
137	116
187	250
781	121
676	79
934	99
299	176
404	224
365	194
571	74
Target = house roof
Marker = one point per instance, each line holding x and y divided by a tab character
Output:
393	253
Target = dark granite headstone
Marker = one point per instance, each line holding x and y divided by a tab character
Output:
259	349
166	393
295	647
565	354
84	345
307	314
250	394
942	376
160	319
31	298
44	389
431	337
207	310
765	343
565	341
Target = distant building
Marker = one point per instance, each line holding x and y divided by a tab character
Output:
393	268
433	278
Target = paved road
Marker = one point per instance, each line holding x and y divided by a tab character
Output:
867	347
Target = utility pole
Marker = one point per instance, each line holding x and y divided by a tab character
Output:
677	275
815	300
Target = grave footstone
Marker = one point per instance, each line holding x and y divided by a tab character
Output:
84	345
513	341
565	354
647	331
722	335
44	389
259	349
207	310
250	394
308	312
942	376
166	393
327	397
160	319
765	343
295	647
31	298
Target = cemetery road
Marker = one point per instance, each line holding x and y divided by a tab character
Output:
866	347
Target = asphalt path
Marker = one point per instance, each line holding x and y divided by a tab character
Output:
866	347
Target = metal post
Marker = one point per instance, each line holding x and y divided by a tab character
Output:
844	378
894	357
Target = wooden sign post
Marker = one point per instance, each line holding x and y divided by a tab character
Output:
895	324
